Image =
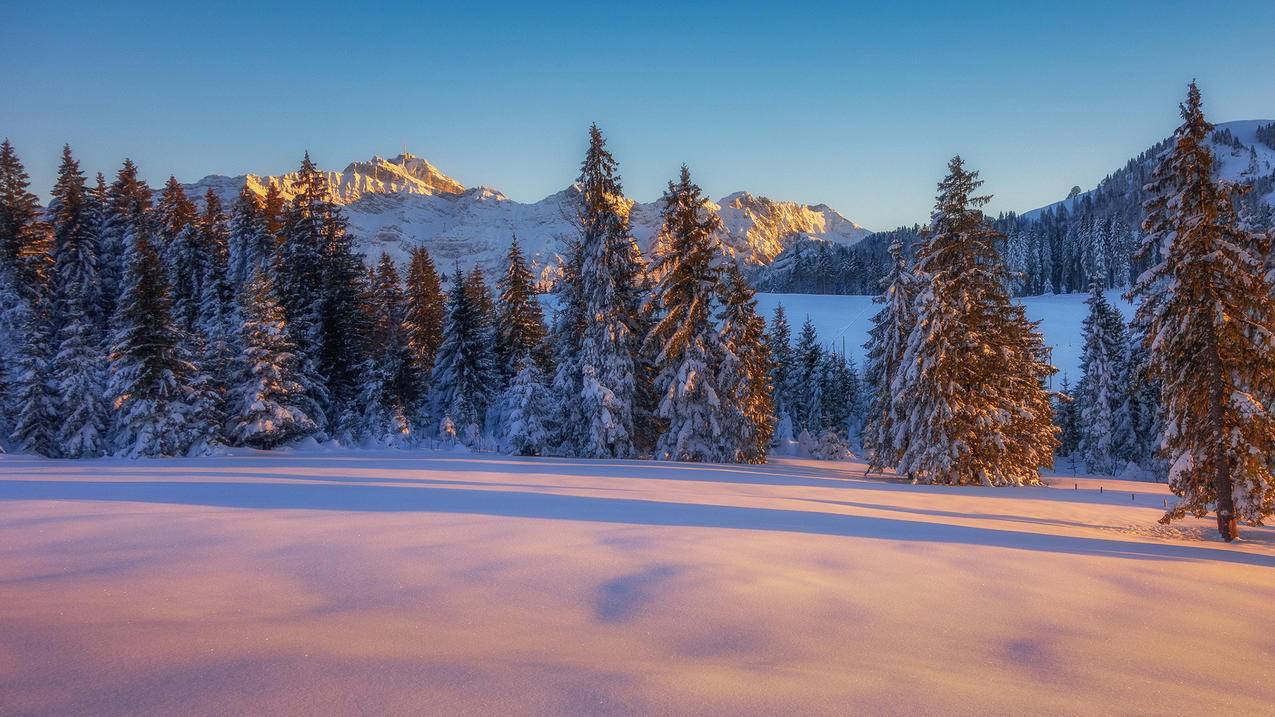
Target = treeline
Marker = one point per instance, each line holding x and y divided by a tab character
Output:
138	324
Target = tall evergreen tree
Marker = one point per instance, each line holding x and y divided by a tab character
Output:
127	216
150	370
520	323
744	378
780	336
23	237
525	408
807	386
251	247
887	343
688	349
1210	319
78	368
566	337
611	285
269	404
391	391
1099	402
460	386
424	326
976	409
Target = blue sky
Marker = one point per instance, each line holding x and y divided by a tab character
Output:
854	105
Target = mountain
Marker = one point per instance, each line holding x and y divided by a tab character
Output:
1242	156
395	204
1052	248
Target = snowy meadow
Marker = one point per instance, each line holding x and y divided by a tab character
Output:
410	582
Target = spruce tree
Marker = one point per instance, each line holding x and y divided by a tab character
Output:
391	390
1209	320
744	378
1067	418
780	337
887	343
151	374
611	286
687	347
269	403
807	386
217	316
566	338
525	408
423	324
34	396
460	385
250	246
1099	395
23	237
126	216
78	369
976	412
520	323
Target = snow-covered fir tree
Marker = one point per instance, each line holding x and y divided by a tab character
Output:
1067	418
269	404
805	376
151	374
217	317
744	377
126	217
23	236
779	335
78	368
520	323
462	380
976	412
1210	329
887	342
686	344
611	286
250	246
1100	394
565	338
525	410
390	391
33	393
423	324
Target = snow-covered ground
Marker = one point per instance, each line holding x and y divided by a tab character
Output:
433	583
845	320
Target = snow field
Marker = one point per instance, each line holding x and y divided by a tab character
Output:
389	582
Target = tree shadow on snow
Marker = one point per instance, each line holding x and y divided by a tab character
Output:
549	506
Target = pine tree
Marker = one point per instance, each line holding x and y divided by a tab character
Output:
150	370
251	247
126	217
976	411
391	390
424	327
744	378
460	386
687	347
23	237
299	284
807	386
1099	396
611	286
1067	418
35	399
269	403
77	367
1209	320
780	336
520	323
526	408
217	316
887	343
566	338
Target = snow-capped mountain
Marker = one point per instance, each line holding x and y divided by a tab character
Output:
1242	156
395	204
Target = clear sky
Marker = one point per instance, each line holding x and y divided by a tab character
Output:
856	105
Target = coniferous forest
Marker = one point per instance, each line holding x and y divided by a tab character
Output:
138	323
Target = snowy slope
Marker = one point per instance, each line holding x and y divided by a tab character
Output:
845	320
394	204
1253	160
402	583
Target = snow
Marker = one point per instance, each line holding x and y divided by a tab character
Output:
847	319
347	582
395	204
